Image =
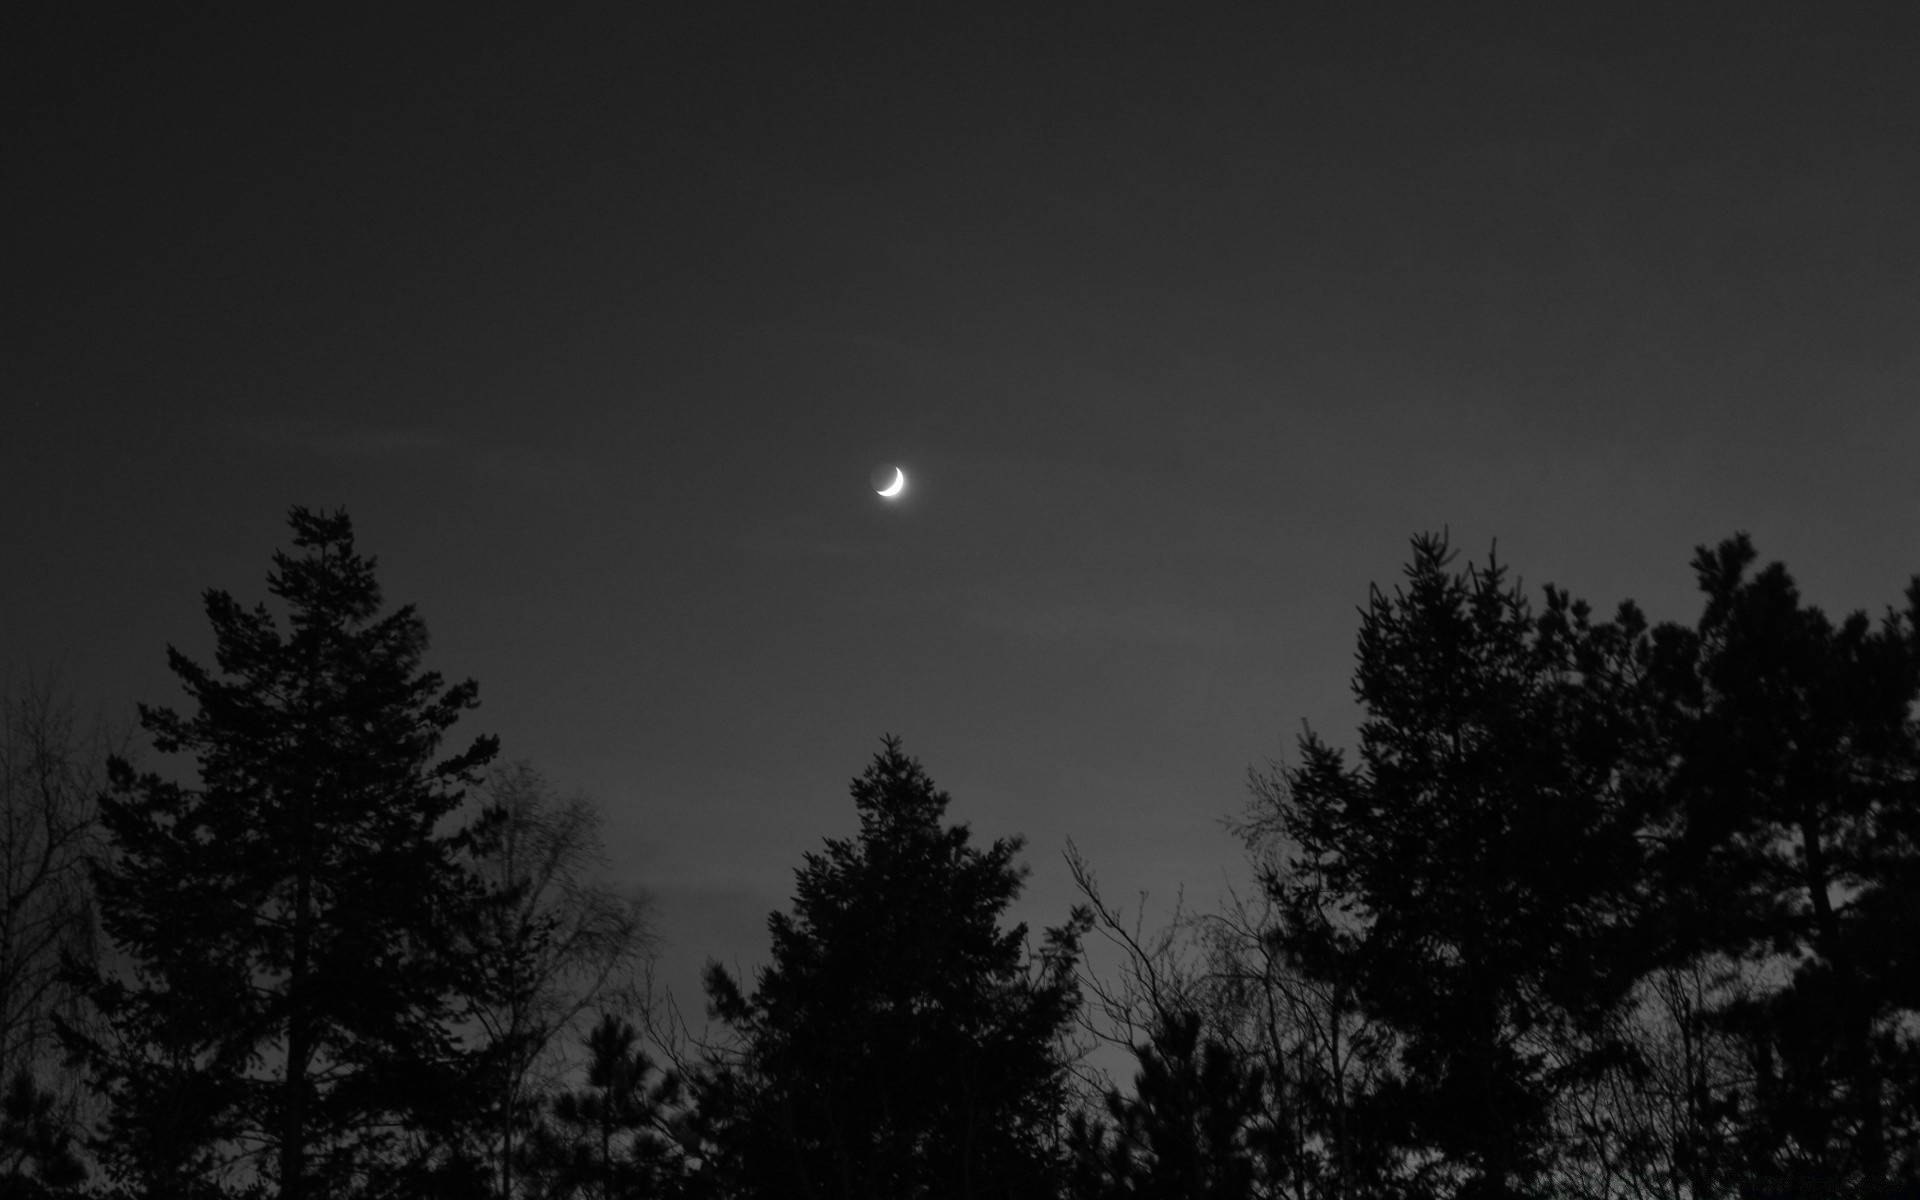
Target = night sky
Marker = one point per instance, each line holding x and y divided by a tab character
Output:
1182	321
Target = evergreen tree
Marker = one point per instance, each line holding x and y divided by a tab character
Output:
1795	835
290	924
1477	877
901	1043
1195	1127
1098	1158
609	1140
37	1151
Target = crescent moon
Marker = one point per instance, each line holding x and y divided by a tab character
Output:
897	486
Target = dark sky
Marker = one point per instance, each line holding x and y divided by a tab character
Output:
1182	323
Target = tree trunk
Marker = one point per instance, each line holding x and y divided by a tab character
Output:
1855	1017
293	1136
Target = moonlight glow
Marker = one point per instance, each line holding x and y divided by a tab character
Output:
893	489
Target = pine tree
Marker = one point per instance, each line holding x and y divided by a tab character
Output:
1195	1127
291	921
610	1140
1796	820
1476	877
901	1043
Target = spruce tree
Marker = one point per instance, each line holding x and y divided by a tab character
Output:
901	1043
289	918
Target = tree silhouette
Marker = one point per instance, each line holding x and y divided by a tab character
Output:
610	1140
1196	1126
1476	877
1796	836
901	1043
291	923
50	773
37	1151
1322	1129
553	942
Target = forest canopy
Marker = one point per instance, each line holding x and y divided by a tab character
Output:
1591	907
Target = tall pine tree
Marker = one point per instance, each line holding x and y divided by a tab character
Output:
901	1043
1476	877
289	921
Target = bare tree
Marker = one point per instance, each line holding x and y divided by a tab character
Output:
1322	1055
1317	1053
50	774
1664	1122
562	941
1158	977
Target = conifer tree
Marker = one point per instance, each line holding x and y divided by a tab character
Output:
1796	833
290	918
611	1139
1476	877
901	1043
1195	1126
37	1158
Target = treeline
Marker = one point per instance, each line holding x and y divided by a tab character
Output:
1596	908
